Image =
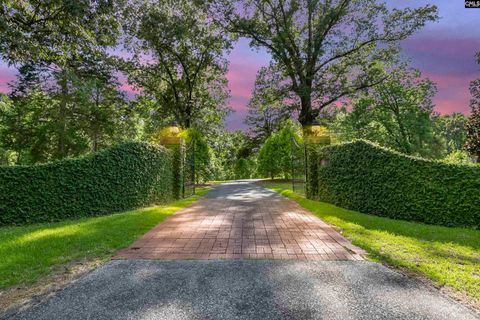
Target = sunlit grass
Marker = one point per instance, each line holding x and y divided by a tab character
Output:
448	256
27	253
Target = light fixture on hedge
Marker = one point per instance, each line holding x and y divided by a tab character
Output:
171	138
316	134
170	135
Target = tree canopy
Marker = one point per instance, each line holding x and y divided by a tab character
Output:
397	113
472	145
178	60
327	49
266	109
275	156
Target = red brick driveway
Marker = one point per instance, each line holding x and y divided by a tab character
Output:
241	220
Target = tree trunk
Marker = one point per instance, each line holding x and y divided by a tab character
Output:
95	141
478	156
96	120
62	116
405	145
306	117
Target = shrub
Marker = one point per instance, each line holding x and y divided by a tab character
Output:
274	157
244	168
364	177
458	157
128	176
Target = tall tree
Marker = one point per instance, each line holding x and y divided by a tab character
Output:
54	31
452	128
103	112
28	129
62	38
96	115
178	60
328	49
472	145
275	156
398	114
266	109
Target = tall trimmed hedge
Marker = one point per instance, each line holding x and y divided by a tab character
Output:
128	176
365	177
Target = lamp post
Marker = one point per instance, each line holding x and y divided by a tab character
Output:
171	139
313	134
171	135
316	134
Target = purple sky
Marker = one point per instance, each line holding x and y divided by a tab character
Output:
443	51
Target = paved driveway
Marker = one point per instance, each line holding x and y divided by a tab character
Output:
243	220
246	289
256	226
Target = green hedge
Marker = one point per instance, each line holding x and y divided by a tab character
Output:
365	177
128	176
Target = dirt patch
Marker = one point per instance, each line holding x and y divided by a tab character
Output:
454	294
20	297
461	297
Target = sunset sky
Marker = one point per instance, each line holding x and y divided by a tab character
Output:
444	51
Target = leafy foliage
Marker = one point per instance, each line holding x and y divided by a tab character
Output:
56	31
458	157
202	155
472	144
96	117
397	113
327	49
245	168
266	109
452	129
178	60
128	176
60	48
275	156
228	150
370	179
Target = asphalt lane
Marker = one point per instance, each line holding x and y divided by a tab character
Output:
245	289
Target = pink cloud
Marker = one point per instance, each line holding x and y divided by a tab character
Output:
453	93
450	63
244	64
241	83
129	88
239	103
7	75
447	106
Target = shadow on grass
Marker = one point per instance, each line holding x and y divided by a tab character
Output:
461	236
30	252
448	256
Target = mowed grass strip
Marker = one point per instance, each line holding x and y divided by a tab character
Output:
448	256
28	253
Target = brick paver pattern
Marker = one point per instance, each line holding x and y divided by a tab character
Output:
242	220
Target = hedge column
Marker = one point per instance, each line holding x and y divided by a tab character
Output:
313	135
172	141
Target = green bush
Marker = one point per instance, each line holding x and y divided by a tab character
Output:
128	176
365	177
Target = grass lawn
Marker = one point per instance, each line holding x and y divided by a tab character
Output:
448	256
28	253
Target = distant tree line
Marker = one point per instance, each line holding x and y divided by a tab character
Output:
336	62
